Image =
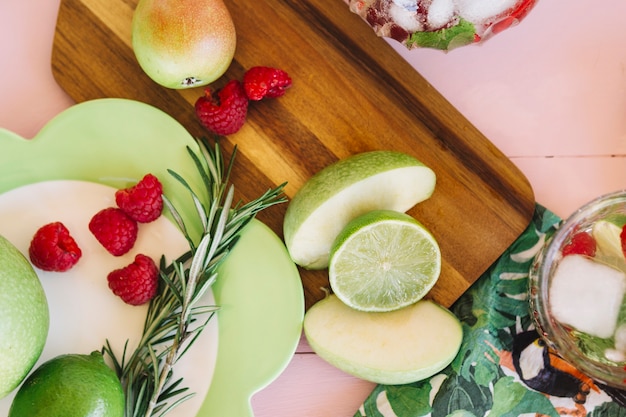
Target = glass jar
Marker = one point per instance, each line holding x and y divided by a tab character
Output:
571	345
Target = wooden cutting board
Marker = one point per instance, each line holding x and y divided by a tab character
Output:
351	93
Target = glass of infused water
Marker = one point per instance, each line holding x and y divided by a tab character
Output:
578	288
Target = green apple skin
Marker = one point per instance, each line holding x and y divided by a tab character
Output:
396	347
330	199
25	317
183	43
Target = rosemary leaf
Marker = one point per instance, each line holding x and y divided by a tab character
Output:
177	219
176	317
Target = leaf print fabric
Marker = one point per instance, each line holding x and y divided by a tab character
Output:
486	378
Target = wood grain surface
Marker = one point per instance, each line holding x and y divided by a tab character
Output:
351	93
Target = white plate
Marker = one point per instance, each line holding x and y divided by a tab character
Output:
84	312
116	142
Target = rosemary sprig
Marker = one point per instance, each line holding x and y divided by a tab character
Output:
174	319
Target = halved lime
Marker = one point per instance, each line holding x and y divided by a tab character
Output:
382	261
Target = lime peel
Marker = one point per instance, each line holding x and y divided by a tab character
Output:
70	385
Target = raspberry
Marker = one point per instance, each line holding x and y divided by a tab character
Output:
261	82
622	237
53	248
142	202
581	243
137	282
225	112
114	230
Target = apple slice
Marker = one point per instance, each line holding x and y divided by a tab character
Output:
396	347
376	180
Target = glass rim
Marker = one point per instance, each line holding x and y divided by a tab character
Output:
550	330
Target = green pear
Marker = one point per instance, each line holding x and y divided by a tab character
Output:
183	43
25	317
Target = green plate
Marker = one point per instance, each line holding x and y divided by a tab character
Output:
117	141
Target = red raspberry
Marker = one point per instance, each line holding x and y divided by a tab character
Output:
225	112
143	202
137	282
622	237
53	248
114	230
581	243
260	82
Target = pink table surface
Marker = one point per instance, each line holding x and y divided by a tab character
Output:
550	93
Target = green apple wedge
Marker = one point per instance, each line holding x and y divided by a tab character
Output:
25	317
375	180
395	347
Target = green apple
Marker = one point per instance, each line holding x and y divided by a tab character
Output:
183	43
25	317
376	180
395	347
71	385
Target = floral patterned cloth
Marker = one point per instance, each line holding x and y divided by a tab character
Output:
484	379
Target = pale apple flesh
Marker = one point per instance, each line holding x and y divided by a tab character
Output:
183	43
397	347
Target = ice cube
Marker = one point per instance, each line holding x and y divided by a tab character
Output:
615	355
410	5
478	11
405	18
440	13
587	295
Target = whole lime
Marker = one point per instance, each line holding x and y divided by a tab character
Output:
25	317
71	385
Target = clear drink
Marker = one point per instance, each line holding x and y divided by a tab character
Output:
578	288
